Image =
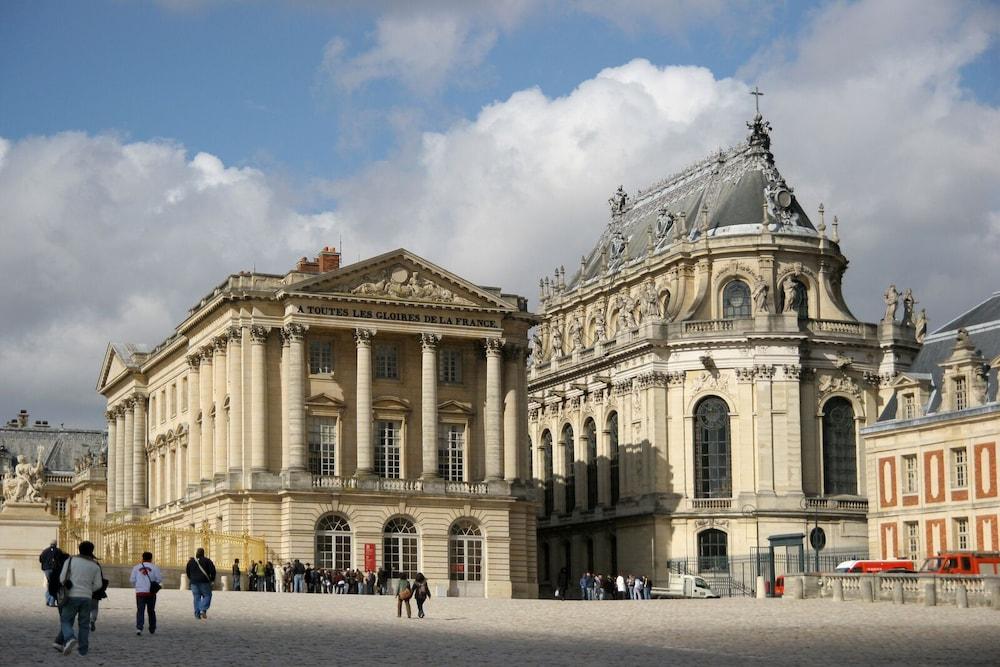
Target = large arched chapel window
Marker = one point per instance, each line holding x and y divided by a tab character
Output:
840	452
735	300
615	459
712	468
590	430
547	471
569	454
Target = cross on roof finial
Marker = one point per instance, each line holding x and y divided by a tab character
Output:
756	97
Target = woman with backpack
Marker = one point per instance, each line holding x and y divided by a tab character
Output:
421	592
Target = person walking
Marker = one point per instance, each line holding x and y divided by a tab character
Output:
143	577
421	592
81	576
47	560
236	574
201	573
403	595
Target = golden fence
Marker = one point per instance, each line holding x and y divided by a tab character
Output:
124	543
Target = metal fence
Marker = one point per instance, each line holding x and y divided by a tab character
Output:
123	543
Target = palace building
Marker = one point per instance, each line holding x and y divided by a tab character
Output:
698	384
932	457
364	416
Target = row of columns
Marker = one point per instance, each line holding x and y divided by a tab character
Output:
127	453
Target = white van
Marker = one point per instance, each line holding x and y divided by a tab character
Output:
684	586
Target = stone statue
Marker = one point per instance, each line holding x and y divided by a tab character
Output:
600	329
921	326
626	304
908	302
617	245
664	223
791	295
760	289
618	201
24	485
576	334
557	342
891	299
536	349
651	303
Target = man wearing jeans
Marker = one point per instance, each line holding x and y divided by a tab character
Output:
142	577
201	573
82	577
47	559
298	575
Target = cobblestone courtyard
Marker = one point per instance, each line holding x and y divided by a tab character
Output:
285	629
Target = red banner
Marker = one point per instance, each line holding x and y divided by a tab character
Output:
370	557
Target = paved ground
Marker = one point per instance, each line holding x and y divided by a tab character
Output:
284	629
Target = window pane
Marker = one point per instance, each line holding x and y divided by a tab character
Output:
839	450
451	450
320	356
386	362
449	366
712	449
322	437
736	300
387	443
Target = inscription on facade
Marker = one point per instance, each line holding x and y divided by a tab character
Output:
388	316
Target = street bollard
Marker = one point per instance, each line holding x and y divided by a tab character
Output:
184	583
11	582
930	594
761	592
897	592
961	596
225	583
838	590
867	589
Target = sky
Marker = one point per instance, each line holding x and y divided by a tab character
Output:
149	149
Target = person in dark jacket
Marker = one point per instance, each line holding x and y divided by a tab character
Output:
46	559
236	574
201	573
421	592
561	583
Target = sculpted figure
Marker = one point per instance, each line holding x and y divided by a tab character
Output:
557	342
536	348
921	326
600	329
618	201
908	302
576	334
617	245
664	223
891	300
24	485
791	295
625	319
651	303
759	294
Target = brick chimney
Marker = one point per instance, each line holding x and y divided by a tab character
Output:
328	260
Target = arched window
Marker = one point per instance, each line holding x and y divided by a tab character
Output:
333	542
712	477
613	451
531	460
840	471
570	459
800	300
736	300
590	429
547	471
465	551
713	551
399	547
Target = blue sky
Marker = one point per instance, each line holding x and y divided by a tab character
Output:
147	149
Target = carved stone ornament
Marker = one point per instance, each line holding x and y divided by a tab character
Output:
363	337
830	384
651	379
623	387
878	380
494	346
745	374
293	331
220	343
235	334
764	372
793	372
207	352
194	360
676	378
710	382
400	282
429	341
23	484
258	333
711	521
533	414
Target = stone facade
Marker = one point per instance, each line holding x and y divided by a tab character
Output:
699	383
932	458
348	415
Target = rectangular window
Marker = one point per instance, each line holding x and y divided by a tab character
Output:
184	394
386	362
450	366
959	468
451	452
961	395
909	406
387	445
320	357
173	400
962	533
912	540
910	474
322	434
61	506
152	408
163	406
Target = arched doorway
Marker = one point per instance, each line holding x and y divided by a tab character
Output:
465	559
333	543
713	551
399	547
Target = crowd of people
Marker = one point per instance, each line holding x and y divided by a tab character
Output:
298	577
598	586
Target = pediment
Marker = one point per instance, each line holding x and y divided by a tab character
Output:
399	276
391	403
905	380
456	408
325	401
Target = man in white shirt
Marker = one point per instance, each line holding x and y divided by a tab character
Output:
82	577
142	577
620	586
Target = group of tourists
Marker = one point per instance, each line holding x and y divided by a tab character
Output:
598	586
298	577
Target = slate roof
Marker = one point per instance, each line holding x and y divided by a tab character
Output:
61	446
734	185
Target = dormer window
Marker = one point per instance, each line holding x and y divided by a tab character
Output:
909	406
961	394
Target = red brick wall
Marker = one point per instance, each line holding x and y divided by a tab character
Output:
987	534
960	495
934	483
985	460
910	501
887	481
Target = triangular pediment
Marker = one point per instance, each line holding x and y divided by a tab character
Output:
399	276
905	380
325	401
112	366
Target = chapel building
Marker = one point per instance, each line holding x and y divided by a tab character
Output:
698	384
356	417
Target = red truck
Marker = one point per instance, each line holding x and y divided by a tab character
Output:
963	562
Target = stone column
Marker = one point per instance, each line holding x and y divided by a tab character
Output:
581	459
429	404
169	481
154	491
297	456
494	456
234	365
604	467
194	407
112	460
181	468
139	451
258	399
207	471
364	443
129	479
220	464
512	415
559	476
120	440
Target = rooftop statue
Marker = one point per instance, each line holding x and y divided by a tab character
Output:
921	326
618	202
891	301
908	302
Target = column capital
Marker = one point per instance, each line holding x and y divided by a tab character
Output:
206	352
494	346
293	332
234	333
363	337
119	411
110	414
194	360
138	399
429	341
258	333
220	342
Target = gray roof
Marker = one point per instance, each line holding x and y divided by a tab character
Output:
61	447
734	185
982	322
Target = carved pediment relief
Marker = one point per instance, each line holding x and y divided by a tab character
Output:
402	283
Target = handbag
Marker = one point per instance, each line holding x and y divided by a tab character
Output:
154	586
64	585
405	594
